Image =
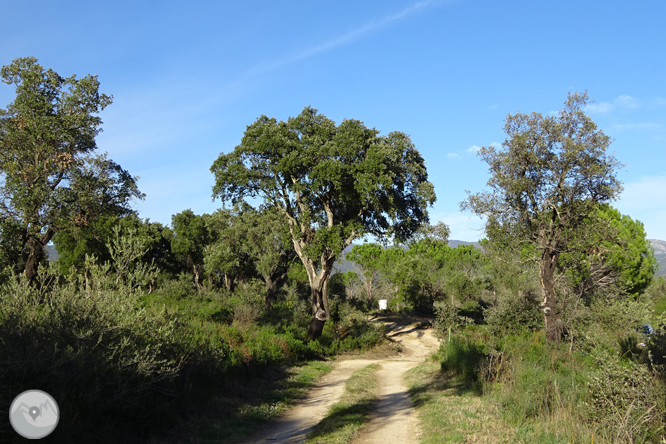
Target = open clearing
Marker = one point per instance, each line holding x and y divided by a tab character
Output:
393	421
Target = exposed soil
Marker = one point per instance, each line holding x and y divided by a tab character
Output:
394	420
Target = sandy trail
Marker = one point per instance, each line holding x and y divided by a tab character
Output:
394	420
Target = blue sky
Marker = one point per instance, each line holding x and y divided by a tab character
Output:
188	77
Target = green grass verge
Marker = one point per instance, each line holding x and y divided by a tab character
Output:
451	410
352	412
245	406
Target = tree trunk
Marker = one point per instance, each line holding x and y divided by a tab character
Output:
227	282
325	299
198	275
552	322
36	247
319	313
368	289
270	286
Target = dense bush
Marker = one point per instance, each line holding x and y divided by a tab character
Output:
568	393
112	365
627	400
463	356
513	313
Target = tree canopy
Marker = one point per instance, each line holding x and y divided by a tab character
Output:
49	177
333	184
621	260
546	181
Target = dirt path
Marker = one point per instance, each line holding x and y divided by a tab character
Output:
394	420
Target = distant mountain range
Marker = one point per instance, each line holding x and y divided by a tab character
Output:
660	253
52	253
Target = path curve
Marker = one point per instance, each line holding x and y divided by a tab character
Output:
394	419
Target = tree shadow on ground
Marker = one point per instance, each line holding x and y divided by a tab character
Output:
353	415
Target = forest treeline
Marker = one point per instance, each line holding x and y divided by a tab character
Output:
139	325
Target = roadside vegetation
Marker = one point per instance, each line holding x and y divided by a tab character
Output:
202	330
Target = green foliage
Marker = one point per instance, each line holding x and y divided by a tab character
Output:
547	181
632	255
50	179
657	294
514	313
463	357
620	260
628	400
13	253
249	243
368	257
191	236
74	243
333	184
114	365
561	390
438	233
447	316
309	156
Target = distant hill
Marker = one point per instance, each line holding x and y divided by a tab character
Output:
52	253
660	253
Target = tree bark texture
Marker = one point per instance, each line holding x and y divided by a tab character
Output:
36	248
198	275
552	323
319	315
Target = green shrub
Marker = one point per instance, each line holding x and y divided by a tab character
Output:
627	400
513	313
112	364
448	316
463	356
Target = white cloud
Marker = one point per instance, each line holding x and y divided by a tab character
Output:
624	101
638	126
476	148
601	107
492	107
642	200
348	37
453	155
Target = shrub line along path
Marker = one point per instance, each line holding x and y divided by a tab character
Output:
394	419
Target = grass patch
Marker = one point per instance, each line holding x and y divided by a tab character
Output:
348	415
451	411
244	406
